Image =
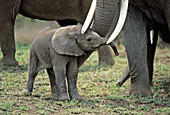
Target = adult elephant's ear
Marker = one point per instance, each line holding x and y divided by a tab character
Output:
65	43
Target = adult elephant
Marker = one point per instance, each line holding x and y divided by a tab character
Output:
66	12
142	18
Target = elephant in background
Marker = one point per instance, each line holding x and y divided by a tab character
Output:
65	12
60	51
141	19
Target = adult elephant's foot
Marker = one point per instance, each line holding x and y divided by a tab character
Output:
106	55
9	62
138	90
9	56
64	97
55	91
75	96
55	94
26	92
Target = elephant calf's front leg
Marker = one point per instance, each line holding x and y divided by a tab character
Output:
72	80
60	73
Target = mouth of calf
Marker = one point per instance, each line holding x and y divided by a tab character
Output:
94	48
97	46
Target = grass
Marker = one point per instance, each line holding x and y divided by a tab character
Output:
96	84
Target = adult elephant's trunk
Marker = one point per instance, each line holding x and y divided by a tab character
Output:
121	20
104	15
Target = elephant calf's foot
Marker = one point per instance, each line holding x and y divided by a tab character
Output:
64	97
26	92
9	62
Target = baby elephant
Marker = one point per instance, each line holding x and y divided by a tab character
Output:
57	51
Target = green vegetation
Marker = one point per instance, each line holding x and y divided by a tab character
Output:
96	85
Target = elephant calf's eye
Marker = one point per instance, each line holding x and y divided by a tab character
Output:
89	39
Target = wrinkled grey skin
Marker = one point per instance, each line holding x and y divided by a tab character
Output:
124	77
61	56
66	12
143	16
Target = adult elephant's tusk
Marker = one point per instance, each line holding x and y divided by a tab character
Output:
89	17
121	21
151	36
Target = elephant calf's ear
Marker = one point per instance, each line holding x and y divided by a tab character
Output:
66	44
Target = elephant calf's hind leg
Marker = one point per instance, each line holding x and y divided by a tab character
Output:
32	72
54	87
30	83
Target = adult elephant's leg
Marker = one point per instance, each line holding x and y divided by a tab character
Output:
151	53
8	12
135	38
165	29
7	43
106	55
164	33
124	77
167	15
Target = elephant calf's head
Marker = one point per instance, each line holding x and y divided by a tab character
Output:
69	41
